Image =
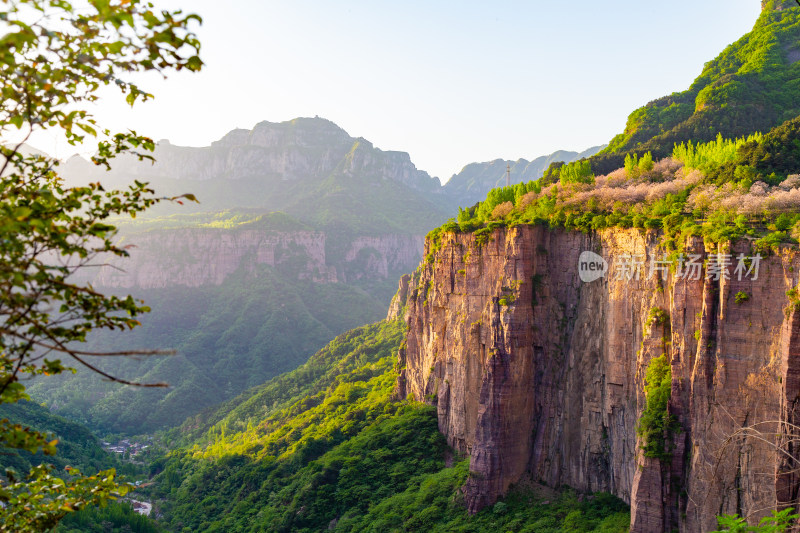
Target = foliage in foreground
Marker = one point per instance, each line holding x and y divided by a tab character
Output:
778	522
55	58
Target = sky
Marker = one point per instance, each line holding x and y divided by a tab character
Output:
448	82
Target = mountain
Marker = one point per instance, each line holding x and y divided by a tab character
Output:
753	85
301	235
559	335
476	179
239	301
308	168
329	447
535	373
312	170
503	371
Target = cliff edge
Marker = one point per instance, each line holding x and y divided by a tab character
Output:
537	374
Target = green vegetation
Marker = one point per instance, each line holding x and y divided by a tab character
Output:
77	447
753	85
712	155
55	58
290	432
656	422
769	158
577	172
116	517
328	447
741	297
779	522
657	316
434	503
720	190
228	339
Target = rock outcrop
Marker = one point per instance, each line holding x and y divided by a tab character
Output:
536	373
195	257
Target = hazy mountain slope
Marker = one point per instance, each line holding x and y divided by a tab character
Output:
314	171
476	179
77	447
245	294
240	291
753	85
228	338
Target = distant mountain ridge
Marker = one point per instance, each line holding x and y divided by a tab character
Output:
306	164
308	168
299	149
476	179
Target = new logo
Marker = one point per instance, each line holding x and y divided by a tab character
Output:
591	267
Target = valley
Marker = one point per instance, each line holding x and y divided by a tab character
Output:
606	342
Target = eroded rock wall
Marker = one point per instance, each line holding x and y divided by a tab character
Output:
196	257
535	373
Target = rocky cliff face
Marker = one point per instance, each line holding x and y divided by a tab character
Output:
195	257
535	373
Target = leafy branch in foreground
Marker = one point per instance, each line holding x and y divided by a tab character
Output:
54	58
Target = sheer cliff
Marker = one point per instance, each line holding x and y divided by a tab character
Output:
535	373
197	257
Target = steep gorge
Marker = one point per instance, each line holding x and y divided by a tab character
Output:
535	373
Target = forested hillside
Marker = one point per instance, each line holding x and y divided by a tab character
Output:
77	446
752	86
228	338
327	447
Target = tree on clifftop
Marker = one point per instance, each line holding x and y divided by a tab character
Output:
54	58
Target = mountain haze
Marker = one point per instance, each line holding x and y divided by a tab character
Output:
301	234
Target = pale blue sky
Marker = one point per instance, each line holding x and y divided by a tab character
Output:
448	82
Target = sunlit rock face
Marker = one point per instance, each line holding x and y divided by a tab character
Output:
538	374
